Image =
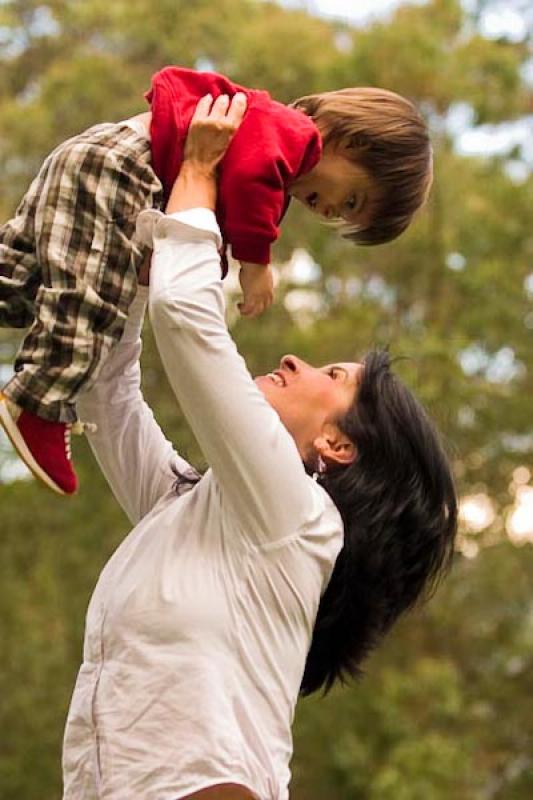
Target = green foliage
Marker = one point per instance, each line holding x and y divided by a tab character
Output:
431	54
446	709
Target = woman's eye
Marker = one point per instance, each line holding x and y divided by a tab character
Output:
333	372
351	202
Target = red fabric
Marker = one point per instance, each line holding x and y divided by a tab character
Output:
46	442
273	146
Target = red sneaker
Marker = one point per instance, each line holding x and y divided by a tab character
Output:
44	446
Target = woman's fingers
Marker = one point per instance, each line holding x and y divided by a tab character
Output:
203	107
230	111
224	108
237	109
212	128
220	107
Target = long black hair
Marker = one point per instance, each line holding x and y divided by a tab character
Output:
398	504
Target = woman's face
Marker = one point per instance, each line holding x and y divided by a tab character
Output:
309	399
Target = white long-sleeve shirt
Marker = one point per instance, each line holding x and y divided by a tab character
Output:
200	623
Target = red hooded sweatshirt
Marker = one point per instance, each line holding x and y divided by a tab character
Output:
273	146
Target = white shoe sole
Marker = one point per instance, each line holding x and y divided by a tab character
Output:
16	439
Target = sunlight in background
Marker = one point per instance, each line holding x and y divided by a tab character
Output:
476	512
520	521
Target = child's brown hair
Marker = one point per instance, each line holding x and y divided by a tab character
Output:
384	133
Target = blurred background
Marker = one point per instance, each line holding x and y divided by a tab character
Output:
445	711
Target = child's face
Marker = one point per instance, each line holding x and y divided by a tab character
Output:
337	188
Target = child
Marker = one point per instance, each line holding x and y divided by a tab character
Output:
69	259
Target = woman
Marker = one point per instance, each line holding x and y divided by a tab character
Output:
203	626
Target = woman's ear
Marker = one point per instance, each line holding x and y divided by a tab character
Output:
335	447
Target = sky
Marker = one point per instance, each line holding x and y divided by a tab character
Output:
508	17
351	10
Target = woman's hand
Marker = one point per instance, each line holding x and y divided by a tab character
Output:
212	128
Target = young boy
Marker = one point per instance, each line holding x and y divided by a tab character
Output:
69	259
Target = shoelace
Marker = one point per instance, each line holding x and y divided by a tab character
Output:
77	428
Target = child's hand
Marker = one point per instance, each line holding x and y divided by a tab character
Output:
257	287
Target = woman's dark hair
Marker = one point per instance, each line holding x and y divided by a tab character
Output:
398	504
399	508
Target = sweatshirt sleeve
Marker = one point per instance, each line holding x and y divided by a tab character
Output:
254	460
173	97
273	146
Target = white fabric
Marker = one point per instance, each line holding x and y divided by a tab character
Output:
140	124
198	629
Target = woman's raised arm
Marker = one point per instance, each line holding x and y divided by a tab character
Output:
254	459
132	451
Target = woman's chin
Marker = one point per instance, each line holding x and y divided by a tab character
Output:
264	384
267	389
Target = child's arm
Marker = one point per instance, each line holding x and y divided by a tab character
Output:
257	287
277	146
273	146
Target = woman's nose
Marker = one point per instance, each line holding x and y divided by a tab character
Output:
292	363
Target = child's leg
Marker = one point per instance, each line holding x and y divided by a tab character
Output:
19	272
90	192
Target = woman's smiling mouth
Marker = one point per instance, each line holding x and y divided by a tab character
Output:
277	378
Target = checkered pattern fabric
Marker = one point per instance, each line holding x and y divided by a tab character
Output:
69	261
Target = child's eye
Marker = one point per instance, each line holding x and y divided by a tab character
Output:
351	202
333	372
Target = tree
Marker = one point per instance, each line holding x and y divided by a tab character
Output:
445	708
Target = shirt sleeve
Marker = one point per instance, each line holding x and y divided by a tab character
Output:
272	147
132	451
254	459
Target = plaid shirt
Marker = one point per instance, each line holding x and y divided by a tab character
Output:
69	261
